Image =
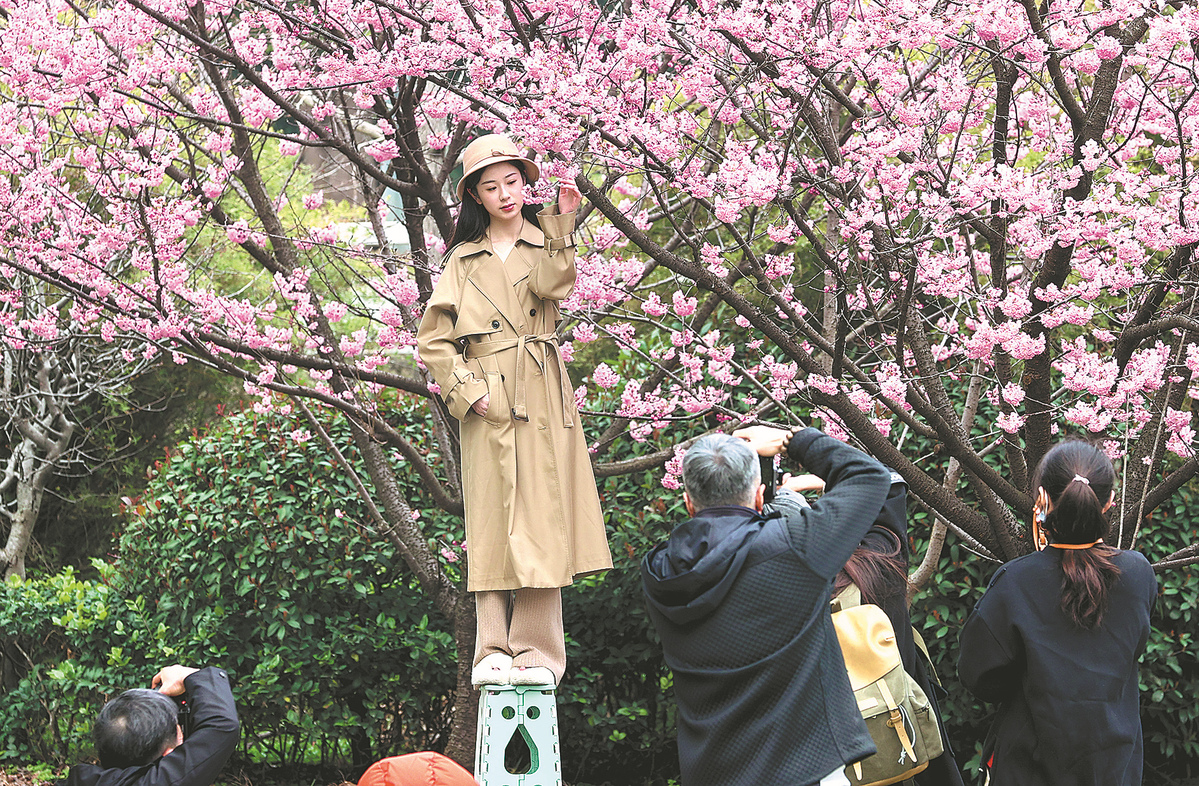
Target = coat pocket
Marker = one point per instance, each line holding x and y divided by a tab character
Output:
499	409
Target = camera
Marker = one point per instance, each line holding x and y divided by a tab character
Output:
184	714
769	476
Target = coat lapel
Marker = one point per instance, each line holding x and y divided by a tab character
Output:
525	254
499	281
488	276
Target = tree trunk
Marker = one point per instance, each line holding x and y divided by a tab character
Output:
33	473
461	745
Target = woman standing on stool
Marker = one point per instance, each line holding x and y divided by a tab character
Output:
1056	639
533	519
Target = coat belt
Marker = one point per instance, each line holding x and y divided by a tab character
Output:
524	345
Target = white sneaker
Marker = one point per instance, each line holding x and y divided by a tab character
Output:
532	675
493	669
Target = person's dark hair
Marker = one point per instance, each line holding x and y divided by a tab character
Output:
720	469
135	728
1078	517
473	218
878	575
881	575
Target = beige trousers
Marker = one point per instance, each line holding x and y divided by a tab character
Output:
524	623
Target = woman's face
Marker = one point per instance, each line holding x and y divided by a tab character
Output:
501	190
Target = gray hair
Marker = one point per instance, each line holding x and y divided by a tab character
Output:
721	470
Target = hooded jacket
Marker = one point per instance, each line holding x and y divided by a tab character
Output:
200	757
740	601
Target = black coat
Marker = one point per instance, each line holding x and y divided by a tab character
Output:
204	751
1069	710
740	601
891	529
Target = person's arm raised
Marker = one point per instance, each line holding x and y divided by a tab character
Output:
856	486
553	277
213	737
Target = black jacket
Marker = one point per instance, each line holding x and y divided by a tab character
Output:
890	528
1069	710
740	601
199	759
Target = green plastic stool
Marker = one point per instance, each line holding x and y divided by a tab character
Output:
506	711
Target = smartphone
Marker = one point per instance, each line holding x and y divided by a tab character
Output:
767	465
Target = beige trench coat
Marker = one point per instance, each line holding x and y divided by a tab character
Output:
533	516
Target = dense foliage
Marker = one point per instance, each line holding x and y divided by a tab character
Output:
249	550
255	548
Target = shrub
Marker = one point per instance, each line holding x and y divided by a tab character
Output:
60	663
1170	668
252	548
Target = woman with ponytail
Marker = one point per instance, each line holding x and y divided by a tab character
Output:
1056	639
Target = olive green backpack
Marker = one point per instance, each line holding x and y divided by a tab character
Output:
896	710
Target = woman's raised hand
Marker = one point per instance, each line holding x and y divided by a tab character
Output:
569	198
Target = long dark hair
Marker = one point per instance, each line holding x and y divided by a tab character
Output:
878	575
473	218
1078	516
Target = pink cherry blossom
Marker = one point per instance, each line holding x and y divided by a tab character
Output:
604	376
827	188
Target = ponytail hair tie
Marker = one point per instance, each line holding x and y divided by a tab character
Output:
1075	546
1082	479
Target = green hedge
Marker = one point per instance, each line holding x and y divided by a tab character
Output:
60	659
253	547
1170	668
249	550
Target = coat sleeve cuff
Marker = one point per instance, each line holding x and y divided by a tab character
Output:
558	228
799	442
465	390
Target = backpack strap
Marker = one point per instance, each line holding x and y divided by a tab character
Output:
846	599
896	721
928	659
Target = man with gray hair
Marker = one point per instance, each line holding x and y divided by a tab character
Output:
740	601
141	741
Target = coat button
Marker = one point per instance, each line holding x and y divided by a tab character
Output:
532	312
495	324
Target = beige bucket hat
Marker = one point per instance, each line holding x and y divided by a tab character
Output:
492	149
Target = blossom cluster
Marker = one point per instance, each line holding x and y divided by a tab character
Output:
855	208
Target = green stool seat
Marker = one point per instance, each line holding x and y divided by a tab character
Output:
506	711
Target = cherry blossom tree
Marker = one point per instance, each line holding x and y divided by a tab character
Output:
967	225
